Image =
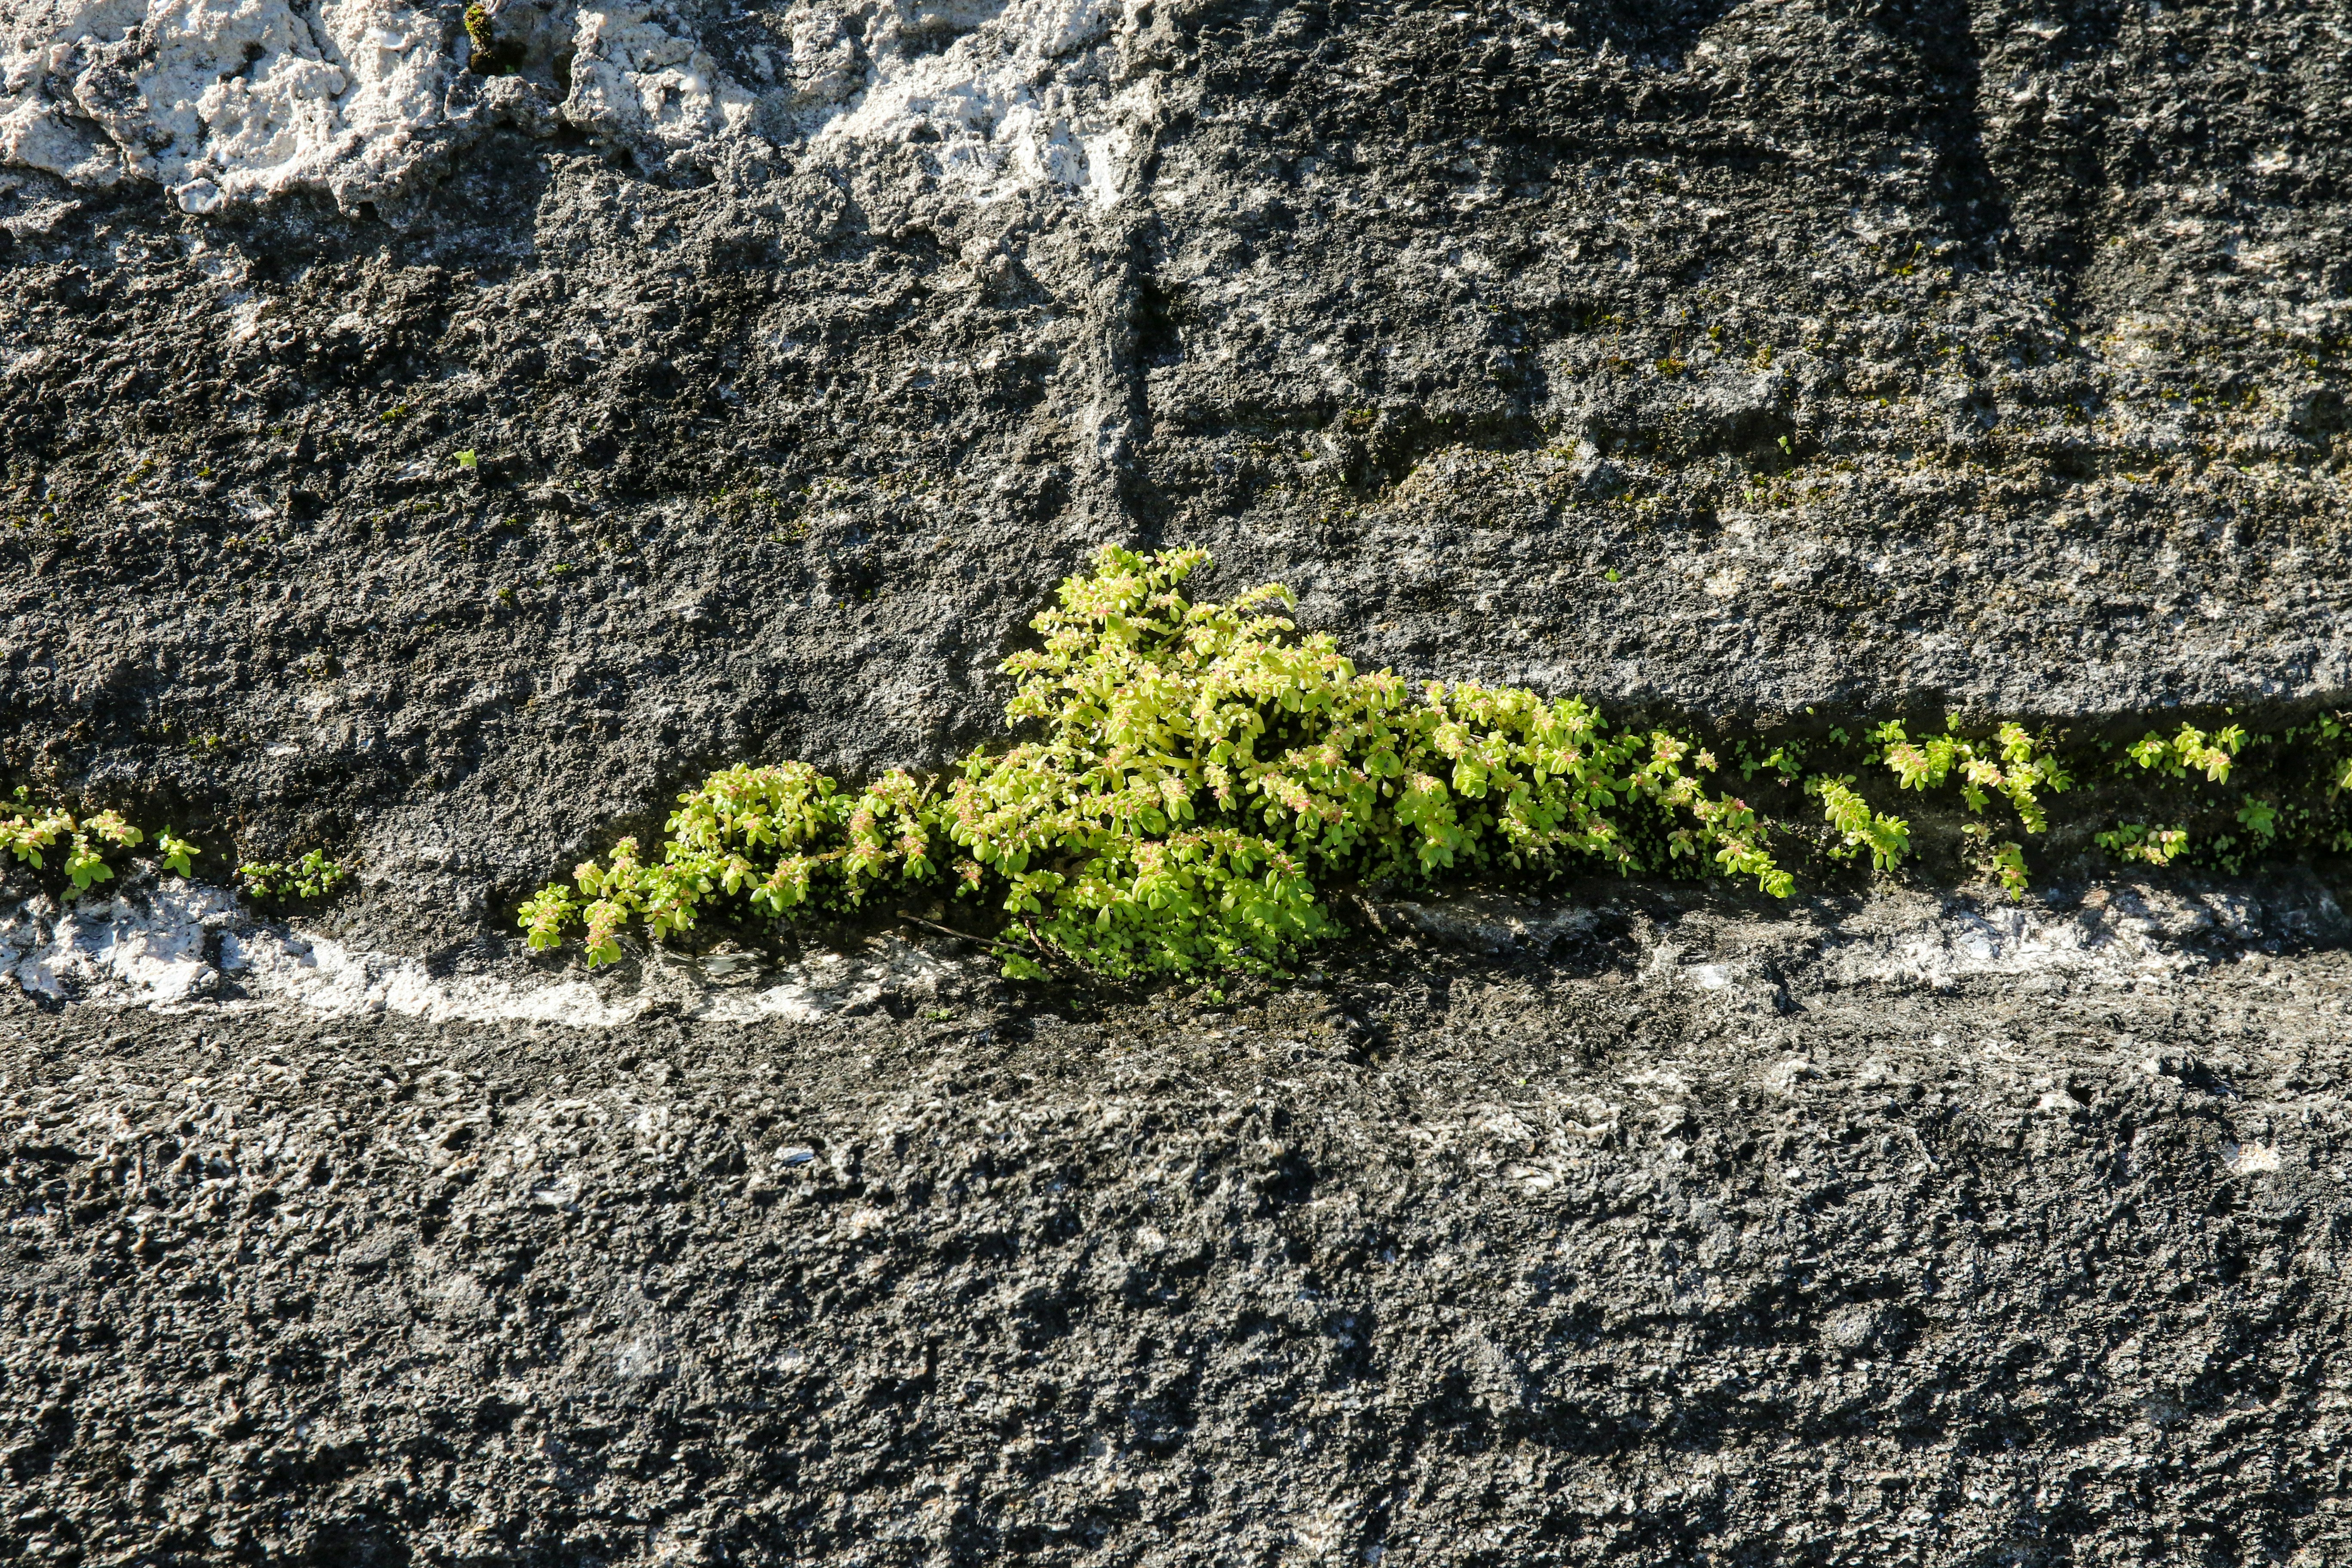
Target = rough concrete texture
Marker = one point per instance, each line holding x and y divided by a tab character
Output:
442	469
1682	1241
366	100
1897	356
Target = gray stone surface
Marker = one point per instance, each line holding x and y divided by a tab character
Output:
1896	357
1779	361
1698	1238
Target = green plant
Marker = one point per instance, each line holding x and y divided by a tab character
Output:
2189	749
2009	866
2030	768
1203	770
1195	775
1888	838
85	862
88	840
178	854
312	877
2138	841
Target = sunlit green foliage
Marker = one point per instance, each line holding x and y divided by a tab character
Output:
176	853
1201	770
2009	865
312	877
1888	838
88	840
1195	775
2021	770
2189	749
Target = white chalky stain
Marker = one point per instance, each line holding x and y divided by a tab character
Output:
150	952
226	101
2250	1159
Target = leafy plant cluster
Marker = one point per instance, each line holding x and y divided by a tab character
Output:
1198	775
32	833
2280	811
312	877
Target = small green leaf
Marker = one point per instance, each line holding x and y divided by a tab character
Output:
178	854
84	866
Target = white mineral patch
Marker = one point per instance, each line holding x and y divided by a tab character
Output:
632	76
177	945
831	984
1021	102
221	100
181	946
155	957
2117	936
2250	1159
225	101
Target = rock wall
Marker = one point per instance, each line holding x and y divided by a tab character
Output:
438	434
1731	359
1689	1241
364	102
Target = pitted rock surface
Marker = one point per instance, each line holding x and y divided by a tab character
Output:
1723	359
439	437
1438	1263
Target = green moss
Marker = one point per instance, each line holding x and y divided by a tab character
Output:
489	57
